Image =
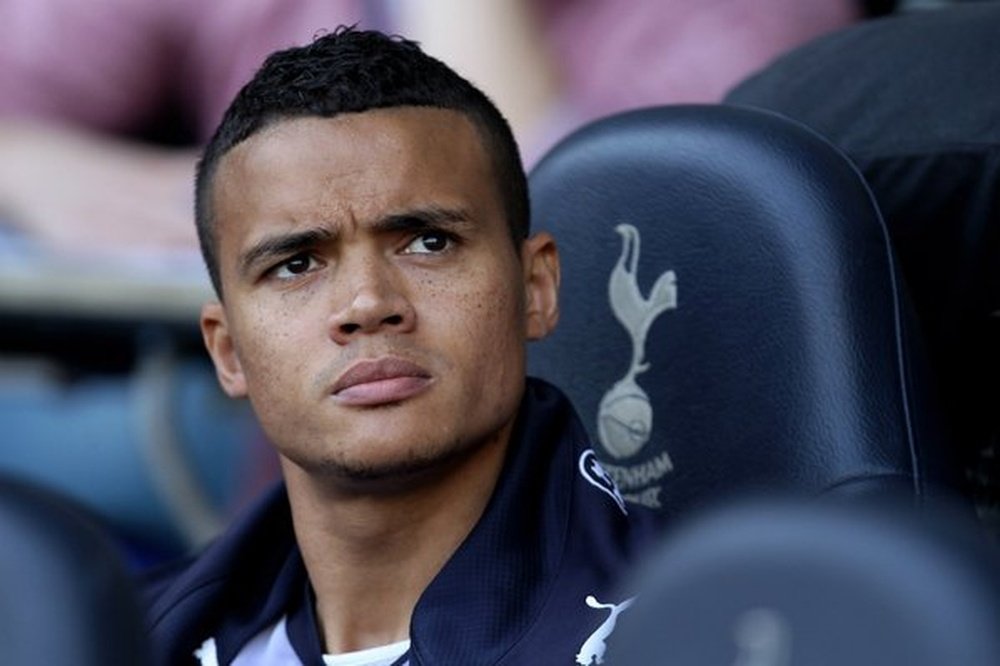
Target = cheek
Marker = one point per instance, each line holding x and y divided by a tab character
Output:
275	368
271	344
491	326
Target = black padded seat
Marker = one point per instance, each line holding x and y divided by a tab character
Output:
732	321
66	596
913	100
791	584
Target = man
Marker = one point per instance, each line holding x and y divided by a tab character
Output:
363	215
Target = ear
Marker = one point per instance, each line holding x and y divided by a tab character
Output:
219	342
540	260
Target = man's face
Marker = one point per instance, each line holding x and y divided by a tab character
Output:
376	308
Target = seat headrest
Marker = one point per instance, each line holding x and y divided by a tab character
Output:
730	315
782	583
67	598
934	167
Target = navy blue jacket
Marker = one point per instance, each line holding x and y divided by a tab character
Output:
536	581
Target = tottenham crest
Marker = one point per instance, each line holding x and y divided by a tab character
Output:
625	415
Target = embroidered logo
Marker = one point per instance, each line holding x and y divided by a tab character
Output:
592	650
594	473
625	415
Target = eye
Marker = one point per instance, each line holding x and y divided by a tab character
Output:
429	242
294	266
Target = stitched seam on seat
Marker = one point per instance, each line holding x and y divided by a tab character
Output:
861	478
904	386
917	151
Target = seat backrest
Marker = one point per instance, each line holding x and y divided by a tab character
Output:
793	584
66	597
731	319
913	100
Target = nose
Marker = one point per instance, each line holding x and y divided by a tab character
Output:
374	303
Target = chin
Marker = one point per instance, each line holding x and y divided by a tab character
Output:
367	472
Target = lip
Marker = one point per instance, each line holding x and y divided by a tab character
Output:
382	381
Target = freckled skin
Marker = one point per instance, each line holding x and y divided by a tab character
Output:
459	313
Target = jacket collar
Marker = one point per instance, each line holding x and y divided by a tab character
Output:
496	583
489	593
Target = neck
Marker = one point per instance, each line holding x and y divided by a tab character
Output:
370	556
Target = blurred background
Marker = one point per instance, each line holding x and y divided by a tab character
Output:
105	392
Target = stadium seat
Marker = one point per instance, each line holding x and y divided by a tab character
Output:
912	100
792	584
66	597
732	321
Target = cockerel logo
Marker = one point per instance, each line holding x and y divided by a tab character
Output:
625	416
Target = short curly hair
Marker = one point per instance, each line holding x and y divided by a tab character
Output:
349	71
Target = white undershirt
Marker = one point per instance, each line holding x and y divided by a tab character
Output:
271	647
383	655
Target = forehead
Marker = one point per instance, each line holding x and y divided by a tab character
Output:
385	156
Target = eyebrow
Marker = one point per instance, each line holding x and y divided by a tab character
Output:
281	245
287	244
430	217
